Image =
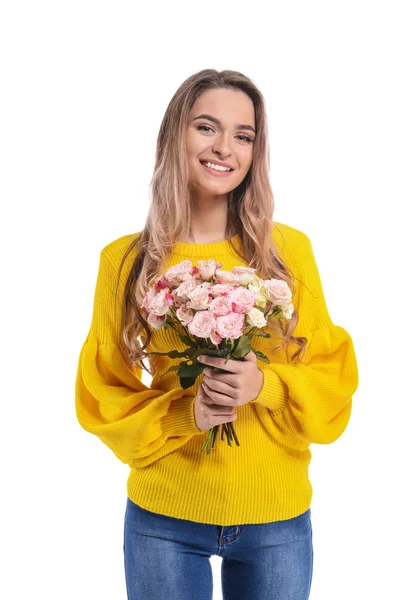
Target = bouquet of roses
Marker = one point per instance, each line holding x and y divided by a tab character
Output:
214	312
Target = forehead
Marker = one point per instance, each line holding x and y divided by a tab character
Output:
229	106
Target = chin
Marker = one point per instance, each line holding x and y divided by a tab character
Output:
217	188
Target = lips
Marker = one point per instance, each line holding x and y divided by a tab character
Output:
216	173
213	162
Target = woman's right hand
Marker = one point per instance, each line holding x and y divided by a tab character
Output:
208	415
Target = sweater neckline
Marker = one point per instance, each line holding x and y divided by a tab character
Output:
207	250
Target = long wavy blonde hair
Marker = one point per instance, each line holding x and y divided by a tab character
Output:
250	212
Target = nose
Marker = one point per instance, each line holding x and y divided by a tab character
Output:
222	145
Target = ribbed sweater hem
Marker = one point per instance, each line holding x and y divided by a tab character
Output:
142	490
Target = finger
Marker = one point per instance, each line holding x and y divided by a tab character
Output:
220	409
218	398
214	406
231	379
221	387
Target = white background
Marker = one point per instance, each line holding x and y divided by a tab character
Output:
84	89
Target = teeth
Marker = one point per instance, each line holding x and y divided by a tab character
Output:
216	167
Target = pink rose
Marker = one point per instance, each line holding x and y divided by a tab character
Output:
161	302
185	314
242	299
245	275
199	298
207	268
231	325
185	288
202	324
277	291
180	272
161	283
215	337
221	306
179	299
155	321
226	277
218	289
148	297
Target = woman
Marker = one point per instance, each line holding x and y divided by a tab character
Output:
248	504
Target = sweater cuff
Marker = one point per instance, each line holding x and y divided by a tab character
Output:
180	420
274	392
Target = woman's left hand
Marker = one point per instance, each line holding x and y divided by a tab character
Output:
242	383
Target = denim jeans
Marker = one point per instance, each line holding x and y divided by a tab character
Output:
168	559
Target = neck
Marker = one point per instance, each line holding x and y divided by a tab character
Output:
208	219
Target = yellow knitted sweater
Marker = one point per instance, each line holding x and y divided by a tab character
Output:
153	429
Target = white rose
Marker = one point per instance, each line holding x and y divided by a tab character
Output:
287	310
261	299
256	318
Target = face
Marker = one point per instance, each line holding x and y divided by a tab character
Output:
225	134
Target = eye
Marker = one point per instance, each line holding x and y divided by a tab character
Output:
246	138
199	127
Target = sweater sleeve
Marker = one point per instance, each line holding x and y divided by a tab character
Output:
310	401
139	424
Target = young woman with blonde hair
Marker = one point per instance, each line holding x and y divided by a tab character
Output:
250	504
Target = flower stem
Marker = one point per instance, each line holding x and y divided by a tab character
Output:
227	429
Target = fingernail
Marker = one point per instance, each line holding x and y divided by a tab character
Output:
200	359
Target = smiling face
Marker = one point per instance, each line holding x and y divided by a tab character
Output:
224	134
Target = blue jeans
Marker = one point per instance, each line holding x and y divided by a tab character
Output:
168	559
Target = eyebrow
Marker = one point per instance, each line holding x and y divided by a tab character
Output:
218	122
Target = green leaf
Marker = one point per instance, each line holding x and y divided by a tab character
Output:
185	339
243	347
174	368
211	352
192	370
261	356
266	335
175	353
187	382
228	345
